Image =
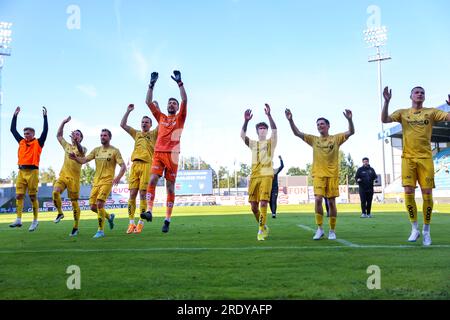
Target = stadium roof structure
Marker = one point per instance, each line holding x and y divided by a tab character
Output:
441	130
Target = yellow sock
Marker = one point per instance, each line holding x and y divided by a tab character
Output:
142	209
319	219
19	204
262	218
57	201
101	219
427	208
411	207
142	206
76	214
35	205
333	222
107	216
131	208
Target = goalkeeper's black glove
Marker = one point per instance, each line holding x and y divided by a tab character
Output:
177	77
153	79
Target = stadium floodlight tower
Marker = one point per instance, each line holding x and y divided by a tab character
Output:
5	50
376	37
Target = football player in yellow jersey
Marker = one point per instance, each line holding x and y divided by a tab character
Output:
325	167
106	158
417	159
262	169
29	155
141	157
69	177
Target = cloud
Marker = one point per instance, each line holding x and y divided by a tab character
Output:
88	90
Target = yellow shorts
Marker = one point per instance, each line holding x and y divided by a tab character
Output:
72	185
99	192
421	170
139	175
259	189
327	187
27	179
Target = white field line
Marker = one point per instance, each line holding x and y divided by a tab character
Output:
193	249
344	242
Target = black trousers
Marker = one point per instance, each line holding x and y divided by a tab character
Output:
273	202
366	200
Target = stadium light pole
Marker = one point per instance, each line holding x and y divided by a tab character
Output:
5	50
376	38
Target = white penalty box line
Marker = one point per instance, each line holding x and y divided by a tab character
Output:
344	242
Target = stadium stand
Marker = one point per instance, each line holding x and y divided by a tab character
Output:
442	169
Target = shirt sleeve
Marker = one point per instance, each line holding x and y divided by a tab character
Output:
274	139
357	174
154	133
132	132
341	138
155	111
63	143
251	144
374	174
439	115
396	116
44	133
16	134
183	112
119	159
309	139
91	155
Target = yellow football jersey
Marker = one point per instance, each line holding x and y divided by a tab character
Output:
106	160
325	154
144	144
262	155
417	126
70	167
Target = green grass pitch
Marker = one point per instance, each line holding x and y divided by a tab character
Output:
212	253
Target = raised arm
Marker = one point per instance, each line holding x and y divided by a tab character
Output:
13	129
351	128
59	134
124	121
247	117
44	133
294	128
148	100
80	148
83	160
80	160
273	126
177	78
387	94
281	165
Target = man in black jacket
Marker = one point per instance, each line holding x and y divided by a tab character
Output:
274	192
365	176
